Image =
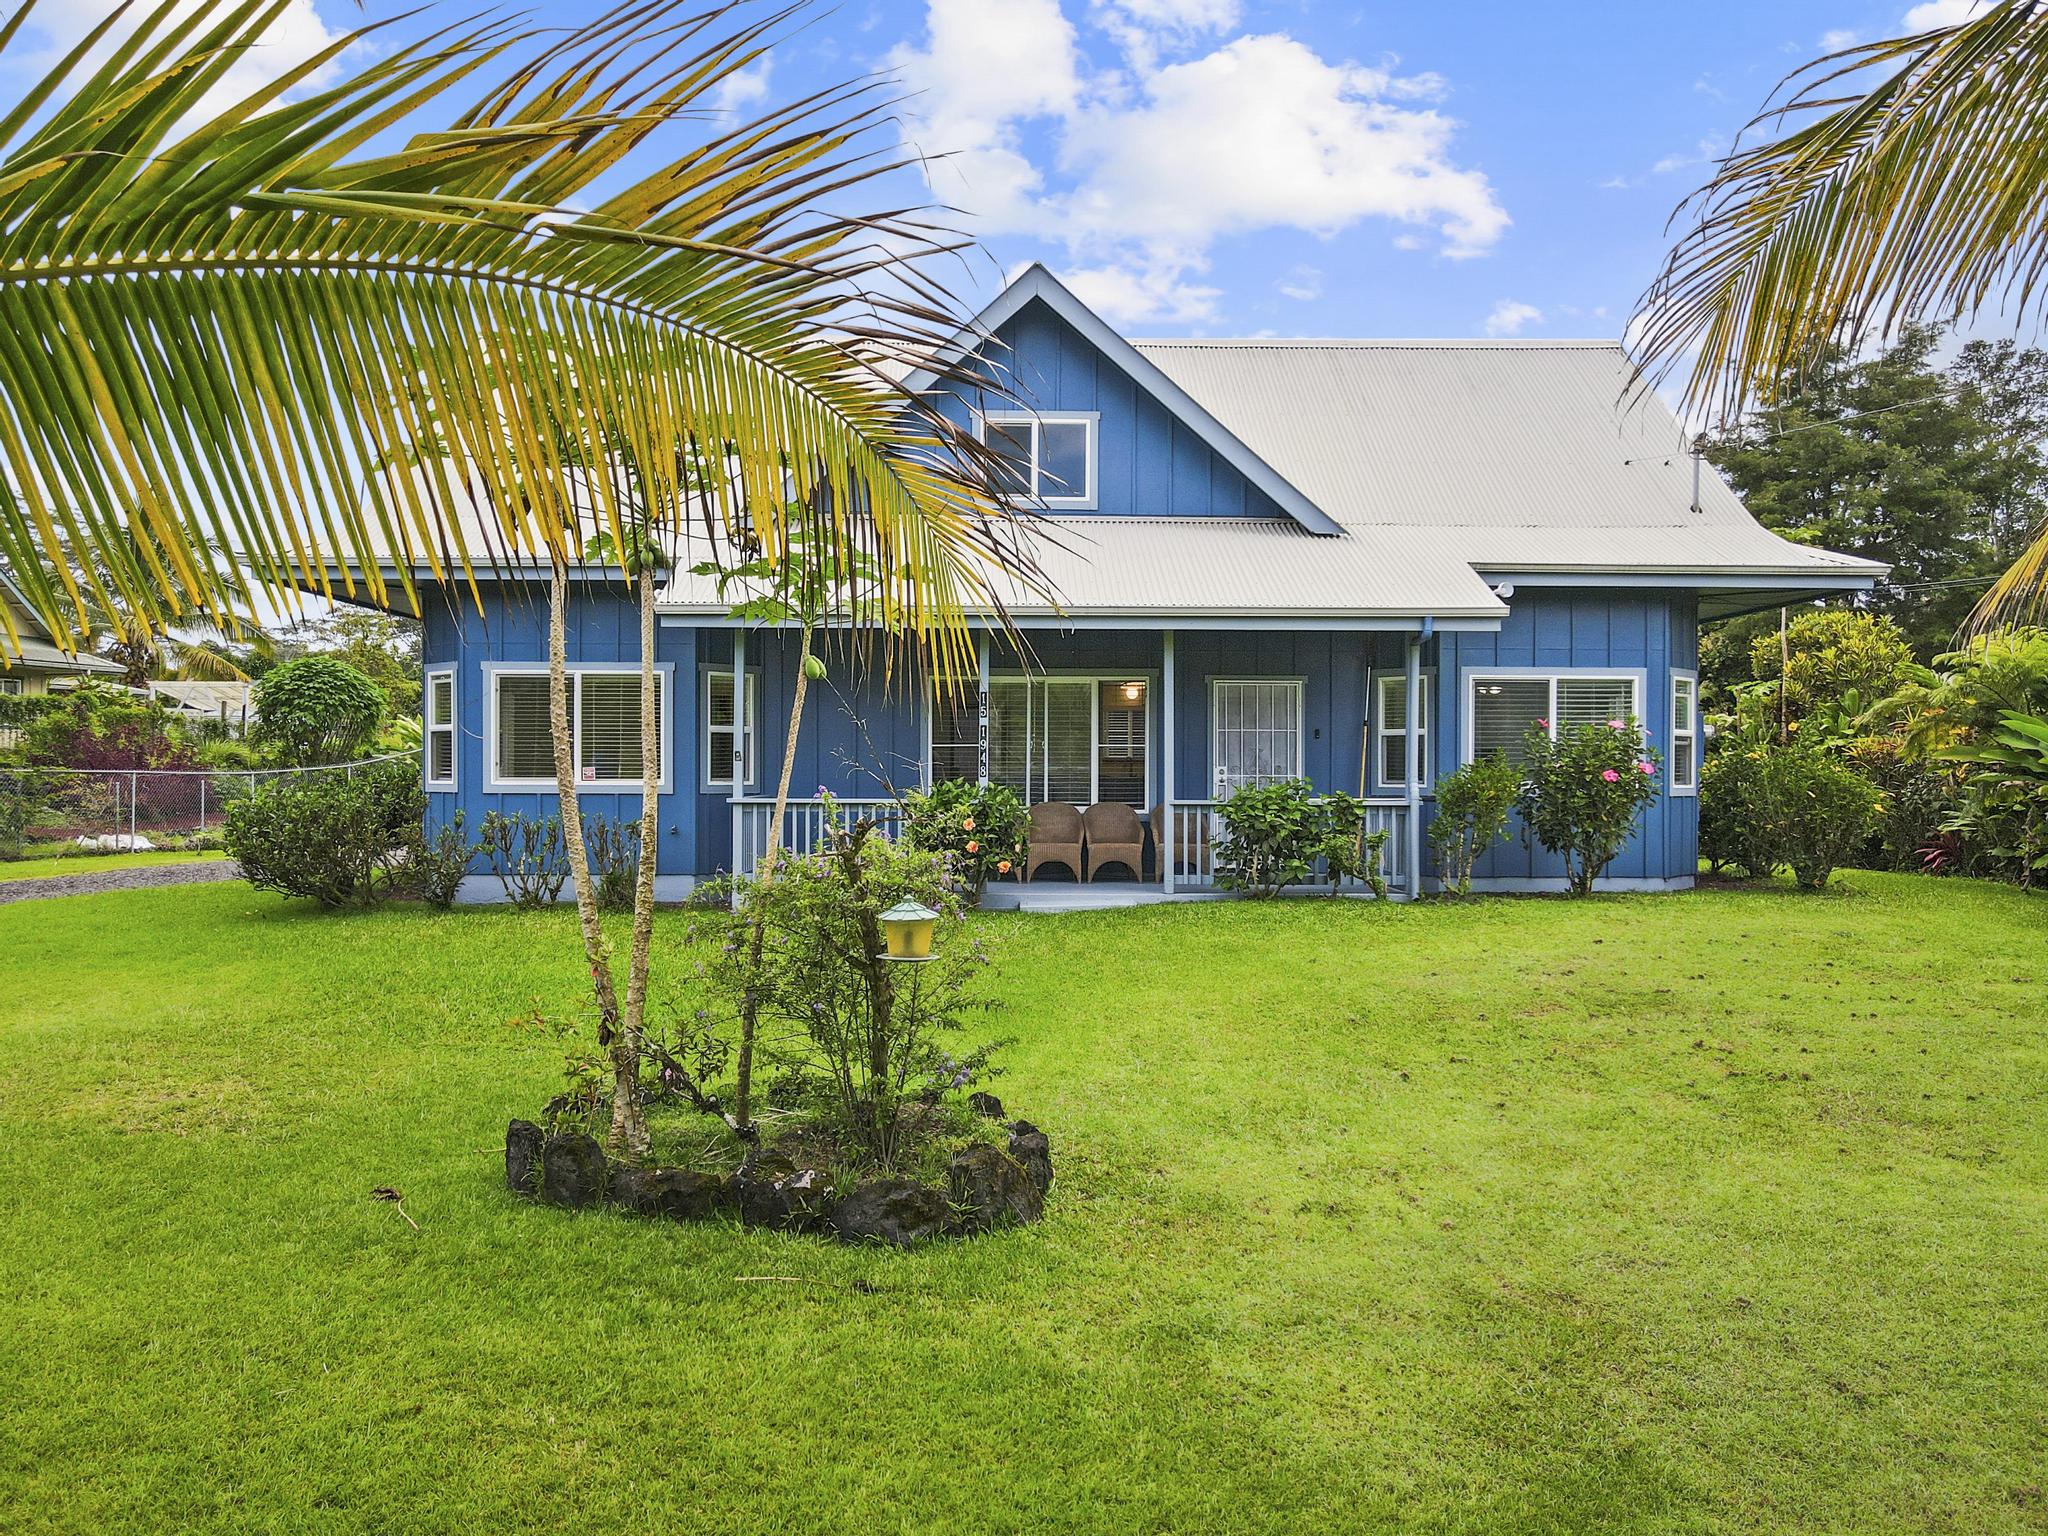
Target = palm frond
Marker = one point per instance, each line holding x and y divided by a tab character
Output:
1912	184
217	330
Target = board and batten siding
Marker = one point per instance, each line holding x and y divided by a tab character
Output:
1149	463
1646	630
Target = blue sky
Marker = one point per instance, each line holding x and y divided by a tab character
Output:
1235	167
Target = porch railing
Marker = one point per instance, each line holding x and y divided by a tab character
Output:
803	825
1197	829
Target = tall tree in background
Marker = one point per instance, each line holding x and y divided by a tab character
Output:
1935	471
1910	185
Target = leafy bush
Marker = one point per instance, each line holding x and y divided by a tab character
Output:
613	849
1735	810
95	726
1282	834
1916	800
1472	808
1834	651
865	1043
435	866
333	837
527	856
17	811
2006	793
982	828
317	710
1820	811
1582	792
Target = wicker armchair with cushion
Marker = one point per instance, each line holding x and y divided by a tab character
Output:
1115	836
1055	838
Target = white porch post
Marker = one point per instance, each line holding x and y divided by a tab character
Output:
1168	831
1411	750
739	753
981	665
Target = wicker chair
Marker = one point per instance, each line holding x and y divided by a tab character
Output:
1191	841
1115	836
1055	838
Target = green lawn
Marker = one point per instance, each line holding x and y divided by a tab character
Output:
93	863
1726	1211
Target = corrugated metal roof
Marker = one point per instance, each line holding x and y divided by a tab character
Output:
1509	455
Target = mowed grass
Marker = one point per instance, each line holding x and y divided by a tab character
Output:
1725	1211
42	867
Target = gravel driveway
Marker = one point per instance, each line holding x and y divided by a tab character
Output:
119	880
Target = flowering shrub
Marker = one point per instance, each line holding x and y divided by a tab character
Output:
1582	791
981	828
1276	835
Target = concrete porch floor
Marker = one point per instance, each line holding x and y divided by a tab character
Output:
1062	896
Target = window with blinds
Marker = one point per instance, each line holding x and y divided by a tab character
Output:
1121	742
1063	765
1685	732
1072	739
1393	730
525	747
1505	708
604	728
439	717
1255	729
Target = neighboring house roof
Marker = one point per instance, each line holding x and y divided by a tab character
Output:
38	650
208	699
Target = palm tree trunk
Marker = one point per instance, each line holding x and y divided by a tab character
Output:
628	1134
750	1002
626	1049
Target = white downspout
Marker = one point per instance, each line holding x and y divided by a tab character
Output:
1411	747
1169	823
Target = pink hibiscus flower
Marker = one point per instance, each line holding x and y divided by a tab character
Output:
1646	768
1614	725
1611	776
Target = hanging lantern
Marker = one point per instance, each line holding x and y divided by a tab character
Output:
907	929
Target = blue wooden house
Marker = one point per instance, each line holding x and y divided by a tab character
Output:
1359	561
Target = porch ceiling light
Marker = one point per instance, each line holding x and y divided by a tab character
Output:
907	930
1132	690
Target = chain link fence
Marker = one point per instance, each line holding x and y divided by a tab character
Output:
127	807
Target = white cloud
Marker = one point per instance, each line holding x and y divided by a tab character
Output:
745	88
1941	13
1304	283
1511	317
296	35
1703	153
1154	294
1837	39
1139	171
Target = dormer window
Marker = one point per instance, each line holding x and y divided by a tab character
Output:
1048	459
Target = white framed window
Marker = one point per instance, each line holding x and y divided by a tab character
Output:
1390	729
1046	458
719	727
604	726
13	685
437	713
1254	732
1078	740
1502	704
1684	764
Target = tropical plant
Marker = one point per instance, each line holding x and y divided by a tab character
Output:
317	709
1473	803
334	836
1582	791
1825	654
475	287
1964	694
525	853
1736	827
99	726
1907	187
2007	789
981	828
436	866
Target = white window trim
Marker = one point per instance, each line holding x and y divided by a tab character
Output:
1300	685
1469	677
1380	677
1148	676
749	726
494	783
1092	420
1678	675
16	686
428	729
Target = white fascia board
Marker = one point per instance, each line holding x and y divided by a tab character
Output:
1035	282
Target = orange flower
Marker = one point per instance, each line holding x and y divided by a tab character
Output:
967	825
973	846
1003	867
